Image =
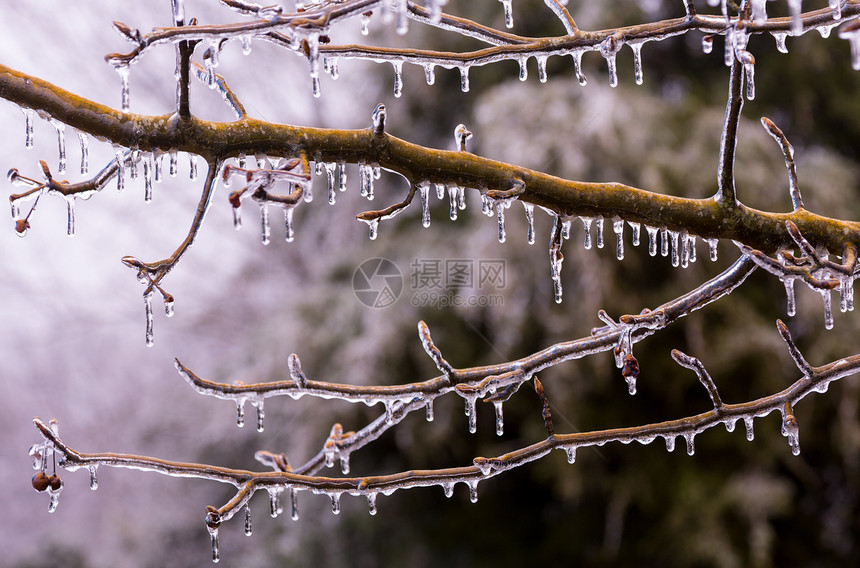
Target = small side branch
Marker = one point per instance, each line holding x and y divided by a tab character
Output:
788	152
696	366
726	194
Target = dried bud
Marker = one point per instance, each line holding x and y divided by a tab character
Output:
235	199
55	482
213	517
324	39
21	226
41	481
12	175
631	367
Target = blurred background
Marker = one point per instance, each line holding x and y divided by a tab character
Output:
72	326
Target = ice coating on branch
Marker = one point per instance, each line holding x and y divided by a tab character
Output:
28	128
84	138
530	219
424	190
61	144
609	48
652	239
398	77
637	62
509	13
851	32
618	228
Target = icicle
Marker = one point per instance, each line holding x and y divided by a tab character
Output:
429	410
365	20
192	164
571	454
452	197
795	8
691	445
389	412
274	501
618	227
779	37
84	138
440	191
344	463
294	504
652	240
398	78
851	32
70	209
836	6
260	414
364	179
330	178
288	223
341	176
712	248
530	219
335	503
509	13
500	421
237	218
524	70
264	222
691	247
707	44
213	535
424	189
147	305
248	519
676	259
670	443
565	229
685	251
430	73
61	144
471	413
147	178
791	431
174	162
828	310
541	63
473	491
730	425
790	306
846	294
28	128
119	154
748	424
500	215
577	67
599	235
464	78
448	488
134	158
586	224
94	477
240	412
122	70
373	225
371	503
330	65
608	49
400	7
637	62
637	230
168	305
748	61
